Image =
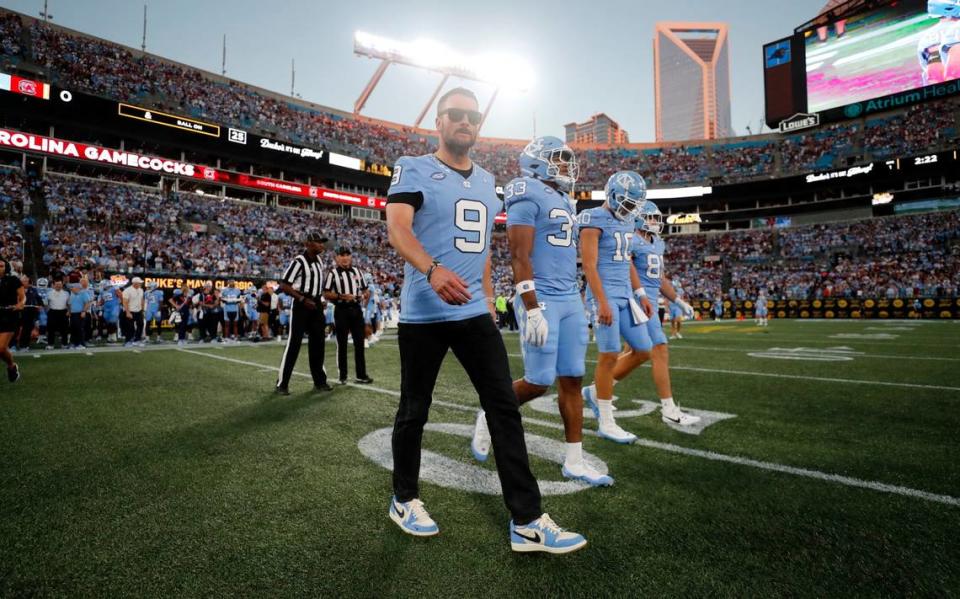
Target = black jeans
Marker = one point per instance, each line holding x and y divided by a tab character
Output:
133	330
348	319
28	317
311	322
78	328
210	320
57	326
478	347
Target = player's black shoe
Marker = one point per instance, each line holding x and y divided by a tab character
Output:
13	374
281	391
323	387
363	381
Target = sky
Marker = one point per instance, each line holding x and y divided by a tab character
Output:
588	56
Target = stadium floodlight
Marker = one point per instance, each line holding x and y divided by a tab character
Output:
499	70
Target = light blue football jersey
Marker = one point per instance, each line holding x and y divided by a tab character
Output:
454	224
532	203
154	299
613	258
230	296
648	259
111	299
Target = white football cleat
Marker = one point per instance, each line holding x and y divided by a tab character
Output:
613	432
587	473
678	416
480	445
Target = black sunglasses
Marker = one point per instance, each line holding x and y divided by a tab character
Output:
456	115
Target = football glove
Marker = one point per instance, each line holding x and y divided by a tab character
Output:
535	332
686	308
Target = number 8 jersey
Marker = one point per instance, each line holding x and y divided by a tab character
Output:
453	221
648	258
532	203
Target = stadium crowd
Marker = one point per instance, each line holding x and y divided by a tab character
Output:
110	70
98	228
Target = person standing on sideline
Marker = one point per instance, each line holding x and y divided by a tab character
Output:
346	288
81	299
303	281
57	323
501	306
440	213
28	316
210	306
264	301
179	304
230	296
12	299
132	298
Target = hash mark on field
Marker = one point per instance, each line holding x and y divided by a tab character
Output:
708	455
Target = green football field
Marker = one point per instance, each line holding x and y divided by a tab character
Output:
830	466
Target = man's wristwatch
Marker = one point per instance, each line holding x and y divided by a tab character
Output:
433	267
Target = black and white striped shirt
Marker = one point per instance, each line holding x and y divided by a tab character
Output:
305	275
345	281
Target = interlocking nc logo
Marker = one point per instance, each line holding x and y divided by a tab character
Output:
533	148
28	88
209	174
625	180
313	192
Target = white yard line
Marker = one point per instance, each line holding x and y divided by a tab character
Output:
681	344
796	376
708	455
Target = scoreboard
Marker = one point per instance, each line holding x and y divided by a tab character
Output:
863	58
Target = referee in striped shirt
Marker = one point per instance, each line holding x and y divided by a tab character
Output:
347	290
303	281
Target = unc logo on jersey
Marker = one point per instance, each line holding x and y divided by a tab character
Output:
438	176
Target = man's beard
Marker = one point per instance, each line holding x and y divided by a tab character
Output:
459	147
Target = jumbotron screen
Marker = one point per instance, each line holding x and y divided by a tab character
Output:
897	48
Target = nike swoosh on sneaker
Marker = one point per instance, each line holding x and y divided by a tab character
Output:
399	512
535	538
674	420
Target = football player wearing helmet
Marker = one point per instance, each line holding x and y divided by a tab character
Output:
647	255
618	304
542	232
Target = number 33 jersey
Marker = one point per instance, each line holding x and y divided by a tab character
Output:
532	203
454	223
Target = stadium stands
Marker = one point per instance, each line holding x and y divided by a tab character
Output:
99	225
107	226
107	69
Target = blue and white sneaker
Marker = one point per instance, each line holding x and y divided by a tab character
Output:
588	474
543	534
480	444
590	399
412	518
